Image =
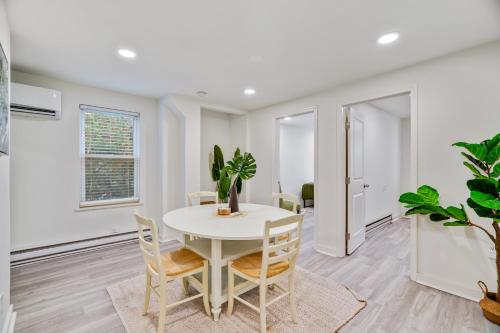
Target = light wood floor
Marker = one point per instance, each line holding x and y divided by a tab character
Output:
69	294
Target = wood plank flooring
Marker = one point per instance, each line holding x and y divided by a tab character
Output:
69	294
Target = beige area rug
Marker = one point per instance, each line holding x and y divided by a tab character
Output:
322	305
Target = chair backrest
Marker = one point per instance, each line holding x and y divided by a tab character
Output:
286	250
150	248
202	194
293	199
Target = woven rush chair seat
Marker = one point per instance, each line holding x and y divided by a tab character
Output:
179	262
251	265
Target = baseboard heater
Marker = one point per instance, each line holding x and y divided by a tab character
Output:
378	223
29	256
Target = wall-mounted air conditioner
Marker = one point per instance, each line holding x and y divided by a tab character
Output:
32	101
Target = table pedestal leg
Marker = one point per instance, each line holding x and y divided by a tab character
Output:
216	272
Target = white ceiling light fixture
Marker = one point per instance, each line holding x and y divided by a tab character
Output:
127	53
287	118
249	91
388	38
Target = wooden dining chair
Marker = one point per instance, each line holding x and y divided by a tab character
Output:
169	266
286	201
276	261
199	195
291	203
203	194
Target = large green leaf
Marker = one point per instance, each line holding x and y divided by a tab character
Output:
457	213
239	185
438	217
484	185
477	149
494	141
218	163
411	198
418	210
475	161
436	209
482	211
224	184
493	155
237	152
485	200
472	168
428	194
495	171
243	166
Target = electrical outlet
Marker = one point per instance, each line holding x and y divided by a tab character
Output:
492	253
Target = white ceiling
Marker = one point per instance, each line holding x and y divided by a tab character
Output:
397	105
284	49
305	120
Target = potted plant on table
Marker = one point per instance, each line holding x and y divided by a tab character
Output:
482	160
230	177
241	167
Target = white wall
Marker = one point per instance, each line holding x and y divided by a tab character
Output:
4	192
296	157
215	130
226	130
457	99
176	168
46	169
382	160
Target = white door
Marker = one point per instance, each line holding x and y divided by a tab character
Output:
356	198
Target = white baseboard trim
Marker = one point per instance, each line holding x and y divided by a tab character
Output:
327	250
10	320
58	250
449	287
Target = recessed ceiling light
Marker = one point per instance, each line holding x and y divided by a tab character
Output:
288	118
388	38
249	91
201	93
126	53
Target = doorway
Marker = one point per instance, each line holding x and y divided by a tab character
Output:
378	153
295	162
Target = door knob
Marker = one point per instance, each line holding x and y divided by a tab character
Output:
366	185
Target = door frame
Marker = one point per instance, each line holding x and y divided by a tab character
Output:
276	159
341	191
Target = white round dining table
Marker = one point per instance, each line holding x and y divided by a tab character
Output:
223	238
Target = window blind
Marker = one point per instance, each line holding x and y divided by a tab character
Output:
109	150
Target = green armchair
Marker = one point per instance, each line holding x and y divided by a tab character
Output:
307	192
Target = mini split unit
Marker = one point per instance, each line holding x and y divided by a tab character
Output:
29	101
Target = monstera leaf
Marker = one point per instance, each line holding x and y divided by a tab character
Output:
242	166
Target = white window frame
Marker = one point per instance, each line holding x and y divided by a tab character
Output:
137	157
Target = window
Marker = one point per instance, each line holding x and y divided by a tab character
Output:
109	149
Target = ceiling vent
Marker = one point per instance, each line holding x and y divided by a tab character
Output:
29	101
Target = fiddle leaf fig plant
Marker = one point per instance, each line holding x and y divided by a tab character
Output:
482	159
